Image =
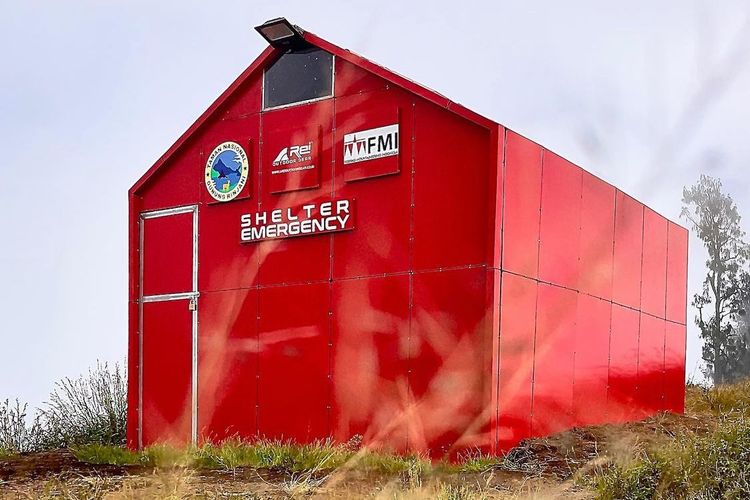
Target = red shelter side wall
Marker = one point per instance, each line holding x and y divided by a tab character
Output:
593	300
374	331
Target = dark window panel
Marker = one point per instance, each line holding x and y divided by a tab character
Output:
298	75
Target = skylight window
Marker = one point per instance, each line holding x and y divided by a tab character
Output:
298	76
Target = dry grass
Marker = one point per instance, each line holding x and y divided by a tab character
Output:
709	460
703	454
265	469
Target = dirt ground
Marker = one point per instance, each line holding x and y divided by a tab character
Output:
537	468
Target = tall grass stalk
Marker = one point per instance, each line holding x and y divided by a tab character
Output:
17	435
89	409
714	465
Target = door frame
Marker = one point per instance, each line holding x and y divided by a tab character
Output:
191	296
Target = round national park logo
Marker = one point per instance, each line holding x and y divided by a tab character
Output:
226	171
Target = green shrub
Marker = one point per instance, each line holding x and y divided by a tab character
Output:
91	409
716	465
636	480
726	400
17	435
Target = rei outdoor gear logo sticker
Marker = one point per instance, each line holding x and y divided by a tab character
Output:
227	169
291	155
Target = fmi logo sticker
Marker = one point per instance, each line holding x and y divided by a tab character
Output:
291	155
371	144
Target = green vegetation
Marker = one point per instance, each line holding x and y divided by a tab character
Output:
713	466
724	400
16	435
270	454
476	463
714	463
262	454
86	410
108	454
89	409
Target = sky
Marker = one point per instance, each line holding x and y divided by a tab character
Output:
647	95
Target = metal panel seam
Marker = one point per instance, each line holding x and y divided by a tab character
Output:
640	303
536	304
611	302
194	374
331	250
411	263
140	332
578	293
498	352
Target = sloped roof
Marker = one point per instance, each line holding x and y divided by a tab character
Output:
270	53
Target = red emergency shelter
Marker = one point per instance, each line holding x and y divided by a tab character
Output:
332	250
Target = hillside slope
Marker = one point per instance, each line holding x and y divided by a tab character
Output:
704	453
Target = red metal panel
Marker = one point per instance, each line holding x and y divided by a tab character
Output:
224	262
293	260
492	357
449	333
654	280
382	245
597	237
168	254
167	369
291	158
351	79
450	190
559	229
296	126
677	251
370	361
133	320
517	331
674	368
299	259
227	364
496	182
523	191
169	186
245	100
133	375
552	409
294	362
651	364
626	277
134	251
623	365
591	360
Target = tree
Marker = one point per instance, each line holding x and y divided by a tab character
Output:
716	221
741	319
